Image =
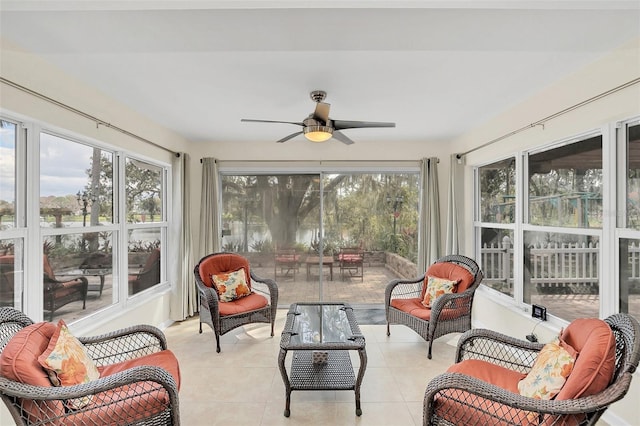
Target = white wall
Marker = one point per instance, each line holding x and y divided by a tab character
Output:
616	69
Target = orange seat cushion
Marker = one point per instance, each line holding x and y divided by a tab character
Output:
490	373
248	303
164	359
415	308
455	407
593	370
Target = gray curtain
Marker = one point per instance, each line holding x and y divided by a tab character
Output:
209	209
452	244
430	214
184	300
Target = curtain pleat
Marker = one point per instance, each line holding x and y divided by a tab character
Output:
430	214
185	299
209	209
452	245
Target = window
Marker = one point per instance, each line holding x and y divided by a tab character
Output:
12	224
144	195
93	205
497	189
558	241
284	223
629	226
76	218
565	185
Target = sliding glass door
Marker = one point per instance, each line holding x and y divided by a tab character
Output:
324	236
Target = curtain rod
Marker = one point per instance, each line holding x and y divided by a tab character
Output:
552	116
316	161
98	121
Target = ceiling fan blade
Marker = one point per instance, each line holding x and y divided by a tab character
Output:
291	136
249	120
342	137
322	111
345	124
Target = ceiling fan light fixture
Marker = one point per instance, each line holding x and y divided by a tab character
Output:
318	133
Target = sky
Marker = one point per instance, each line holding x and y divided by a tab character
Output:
63	165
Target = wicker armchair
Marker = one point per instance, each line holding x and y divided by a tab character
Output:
135	393
259	306
450	313
452	396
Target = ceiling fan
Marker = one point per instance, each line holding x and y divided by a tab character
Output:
318	127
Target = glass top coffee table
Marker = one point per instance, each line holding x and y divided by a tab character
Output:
320	336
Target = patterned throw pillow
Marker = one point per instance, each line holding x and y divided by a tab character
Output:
67	362
549	373
436	287
231	285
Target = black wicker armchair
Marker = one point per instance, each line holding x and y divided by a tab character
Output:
450	313
259	306
455	398
132	388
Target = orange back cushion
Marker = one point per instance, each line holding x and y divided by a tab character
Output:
19	359
221	263
593	370
452	272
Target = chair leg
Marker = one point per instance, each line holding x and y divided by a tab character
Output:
429	354
217	343
388	330
200	331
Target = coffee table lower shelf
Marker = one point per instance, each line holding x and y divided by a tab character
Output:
336	374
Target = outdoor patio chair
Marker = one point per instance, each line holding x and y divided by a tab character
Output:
436	303
491	382
231	295
138	377
287	263
56	292
149	274
351	261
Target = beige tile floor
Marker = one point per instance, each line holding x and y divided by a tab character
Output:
242	384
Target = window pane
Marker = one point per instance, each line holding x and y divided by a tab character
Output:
8	138
497	259
565	185
76	184
69	261
11	273
498	191
633	176
275	221
630	276
561	273
144	259
143	192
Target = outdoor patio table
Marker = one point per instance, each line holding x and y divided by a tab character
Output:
321	336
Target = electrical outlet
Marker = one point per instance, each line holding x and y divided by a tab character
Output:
539	312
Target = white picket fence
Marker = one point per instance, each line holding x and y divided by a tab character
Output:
553	268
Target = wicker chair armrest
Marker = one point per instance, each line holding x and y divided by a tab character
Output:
448	301
210	295
129	378
404	288
480	388
266	286
492	346
127	343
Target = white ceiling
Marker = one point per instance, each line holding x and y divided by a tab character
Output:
436	68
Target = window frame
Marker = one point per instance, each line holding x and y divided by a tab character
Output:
28	213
